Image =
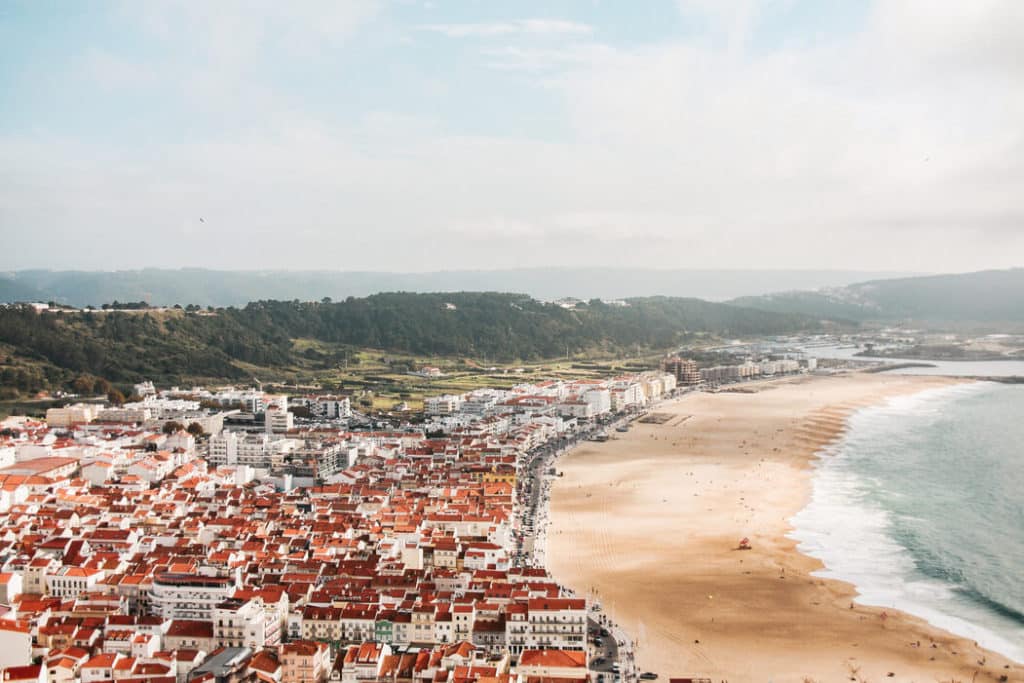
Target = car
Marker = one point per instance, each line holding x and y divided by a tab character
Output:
648	676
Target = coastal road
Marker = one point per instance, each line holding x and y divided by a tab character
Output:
532	494
602	656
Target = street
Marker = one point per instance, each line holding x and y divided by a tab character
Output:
533	490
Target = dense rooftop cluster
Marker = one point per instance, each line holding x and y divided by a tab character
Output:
266	552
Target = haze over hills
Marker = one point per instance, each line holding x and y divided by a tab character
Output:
989	296
237	288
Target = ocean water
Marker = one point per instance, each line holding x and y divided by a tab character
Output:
921	506
955	368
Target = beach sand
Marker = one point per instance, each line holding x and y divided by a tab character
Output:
650	520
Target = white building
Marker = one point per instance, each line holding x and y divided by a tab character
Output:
557	623
129	412
442	405
332	407
627	394
78	413
167	408
188	596
71	582
15	644
240	623
600	401
479	402
278	420
253	450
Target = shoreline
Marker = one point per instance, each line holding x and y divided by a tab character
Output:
649	523
813	525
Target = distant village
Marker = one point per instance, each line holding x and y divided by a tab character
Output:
232	534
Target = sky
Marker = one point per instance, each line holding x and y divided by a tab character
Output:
477	134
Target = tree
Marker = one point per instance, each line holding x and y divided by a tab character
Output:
84	385
172	427
101	386
195	429
115	397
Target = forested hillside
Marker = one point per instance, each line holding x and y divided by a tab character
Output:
174	344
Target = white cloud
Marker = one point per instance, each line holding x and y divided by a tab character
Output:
519	27
874	150
730	21
111	72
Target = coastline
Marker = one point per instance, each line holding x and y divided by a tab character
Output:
649	523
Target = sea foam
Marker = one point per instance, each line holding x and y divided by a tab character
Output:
853	532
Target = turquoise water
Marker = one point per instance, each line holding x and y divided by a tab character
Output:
921	506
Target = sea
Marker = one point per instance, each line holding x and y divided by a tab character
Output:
920	505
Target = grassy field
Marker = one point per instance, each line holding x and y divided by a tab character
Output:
378	380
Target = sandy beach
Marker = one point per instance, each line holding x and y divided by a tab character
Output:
649	523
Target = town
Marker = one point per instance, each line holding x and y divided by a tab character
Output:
234	534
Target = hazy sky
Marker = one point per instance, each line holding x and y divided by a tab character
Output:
477	134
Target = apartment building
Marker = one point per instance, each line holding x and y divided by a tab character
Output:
277	418
72	582
188	596
305	661
240	623
446	404
558	623
79	413
684	369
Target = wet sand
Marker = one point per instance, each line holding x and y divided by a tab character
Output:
649	523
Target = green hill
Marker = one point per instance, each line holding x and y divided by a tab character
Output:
174	345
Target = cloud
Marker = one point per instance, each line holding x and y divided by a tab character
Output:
520	27
980	37
897	140
541	59
250	23
111	72
730	21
